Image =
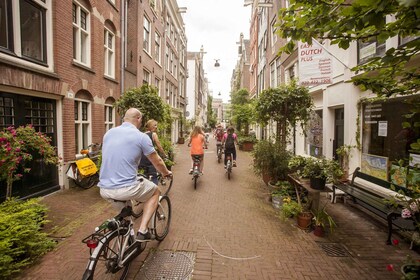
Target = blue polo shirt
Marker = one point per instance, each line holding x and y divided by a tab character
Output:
122	149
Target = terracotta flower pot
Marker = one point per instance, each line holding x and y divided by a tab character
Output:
304	220
319	231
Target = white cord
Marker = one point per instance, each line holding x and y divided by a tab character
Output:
227	257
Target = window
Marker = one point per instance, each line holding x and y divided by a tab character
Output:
383	133
7	112
109	51
157	48
146	35
81	34
167	57
40	114
26	20
278	71
314	133
82	124
146	77
273	75
157	85
273	35
369	49
109	117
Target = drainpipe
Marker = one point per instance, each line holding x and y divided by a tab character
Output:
123	50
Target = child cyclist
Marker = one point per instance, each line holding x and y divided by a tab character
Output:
197	143
219	135
229	140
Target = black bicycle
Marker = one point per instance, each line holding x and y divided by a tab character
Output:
196	169
229	165
113	245
219	153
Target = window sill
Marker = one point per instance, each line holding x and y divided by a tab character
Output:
28	68
111	79
84	67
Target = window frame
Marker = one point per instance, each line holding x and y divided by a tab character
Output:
109	110
13	51
109	54
158	48
80	143
146	34
79	49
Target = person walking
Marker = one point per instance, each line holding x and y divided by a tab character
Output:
122	149
229	140
145	164
197	142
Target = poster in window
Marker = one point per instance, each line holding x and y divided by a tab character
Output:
382	128
398	175
375	166
413	177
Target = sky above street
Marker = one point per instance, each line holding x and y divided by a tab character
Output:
216	25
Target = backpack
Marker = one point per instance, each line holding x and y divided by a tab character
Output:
229	144
219	134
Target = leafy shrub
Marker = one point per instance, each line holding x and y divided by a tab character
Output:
21	240
290	209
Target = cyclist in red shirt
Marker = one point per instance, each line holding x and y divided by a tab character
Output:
219	135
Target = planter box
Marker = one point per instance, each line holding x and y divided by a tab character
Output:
247	146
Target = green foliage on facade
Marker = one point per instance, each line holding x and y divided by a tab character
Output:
344	22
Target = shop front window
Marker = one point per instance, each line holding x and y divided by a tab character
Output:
387	135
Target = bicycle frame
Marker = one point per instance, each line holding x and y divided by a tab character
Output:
196	166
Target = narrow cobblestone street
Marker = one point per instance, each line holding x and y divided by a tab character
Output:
232	230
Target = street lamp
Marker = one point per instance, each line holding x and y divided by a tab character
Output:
217	64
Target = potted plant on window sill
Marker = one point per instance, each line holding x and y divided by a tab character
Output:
321	220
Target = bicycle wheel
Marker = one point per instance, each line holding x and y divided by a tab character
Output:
103	263
162	218
229	171
86	182
137	208
195	182
165	185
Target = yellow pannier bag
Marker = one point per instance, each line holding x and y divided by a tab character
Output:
86	166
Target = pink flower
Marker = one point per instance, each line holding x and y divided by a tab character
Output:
405	213
390	267
17	150
414	207
395	242
2	139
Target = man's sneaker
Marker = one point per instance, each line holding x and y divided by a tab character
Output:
234	163
191	171
145	237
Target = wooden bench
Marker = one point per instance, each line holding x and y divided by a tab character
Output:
373	194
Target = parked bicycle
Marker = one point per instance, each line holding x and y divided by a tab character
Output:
113	245
229	165
84	171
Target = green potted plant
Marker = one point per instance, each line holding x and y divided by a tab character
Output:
343	153
271	161
321	171
282	191
290	208
321	220
246	143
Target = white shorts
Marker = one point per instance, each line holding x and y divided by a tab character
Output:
140	192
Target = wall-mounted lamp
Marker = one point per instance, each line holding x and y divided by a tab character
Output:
217	64
219	93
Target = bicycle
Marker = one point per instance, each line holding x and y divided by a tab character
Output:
164	184
229	165
83	171
113	245
219	152
196	169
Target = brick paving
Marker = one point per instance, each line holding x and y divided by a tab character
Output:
231	227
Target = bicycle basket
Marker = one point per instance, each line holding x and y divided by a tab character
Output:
86	166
